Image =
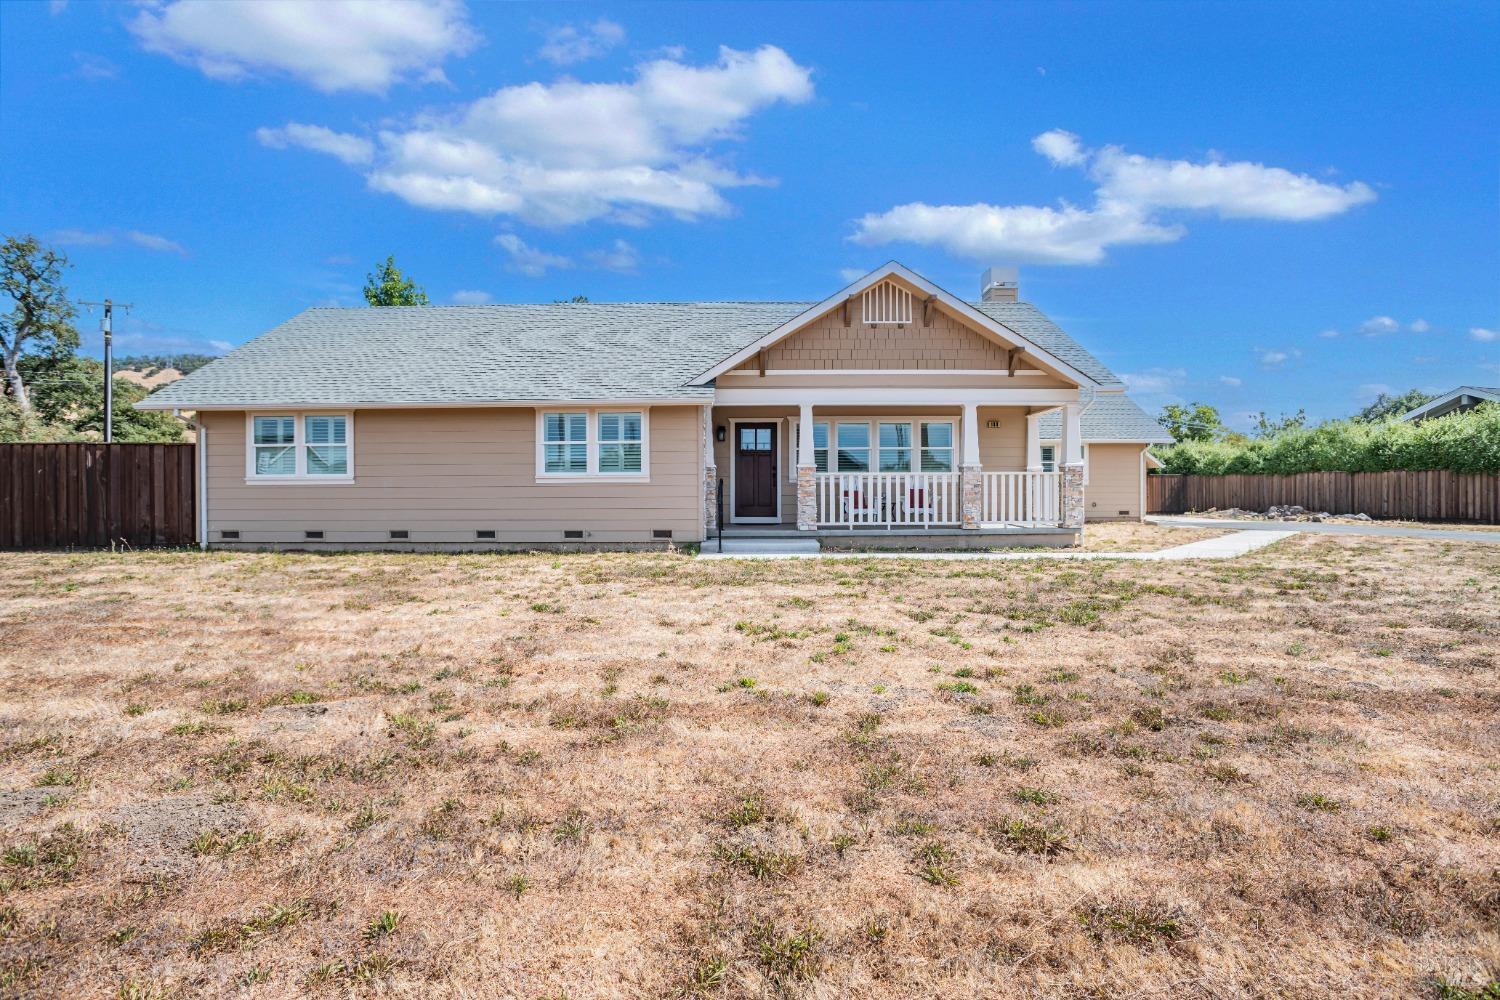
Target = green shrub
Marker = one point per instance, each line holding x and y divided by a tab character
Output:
1459	442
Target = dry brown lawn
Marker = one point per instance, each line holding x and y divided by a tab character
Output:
643	776
1142	536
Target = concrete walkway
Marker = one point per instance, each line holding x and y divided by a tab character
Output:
1224	547
1376	530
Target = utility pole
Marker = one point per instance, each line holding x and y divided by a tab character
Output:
106	326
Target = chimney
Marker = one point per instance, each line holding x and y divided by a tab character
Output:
998	284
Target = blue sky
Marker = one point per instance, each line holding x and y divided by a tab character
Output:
1258	206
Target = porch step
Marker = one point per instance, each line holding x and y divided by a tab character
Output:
766	546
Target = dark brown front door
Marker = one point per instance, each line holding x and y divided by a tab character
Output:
755	470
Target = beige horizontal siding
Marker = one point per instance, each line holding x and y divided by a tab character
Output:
442	474
1114	482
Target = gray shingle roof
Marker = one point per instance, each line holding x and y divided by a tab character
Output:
1031	323
459	354
1111	417
516	353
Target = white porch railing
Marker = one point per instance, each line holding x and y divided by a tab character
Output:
1028	499
887	499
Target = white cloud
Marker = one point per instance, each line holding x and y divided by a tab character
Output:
110	237
527	259
94	68
1063	148
573	43
55	7
151	241
1239	190
352	149
1329	334
851	274
1231	381
1131	194
1154	380
82	238
222	346
1277	358
571	152
1419	326
1377	325
1484	335
472	297
333	45
619	256
1026	234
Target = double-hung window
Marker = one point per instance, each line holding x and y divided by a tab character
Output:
291	446
601	444
895	447
619	442
937	446
565	450
1049	458
853	447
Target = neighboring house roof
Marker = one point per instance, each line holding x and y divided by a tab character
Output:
519	354
1110	417
1465	397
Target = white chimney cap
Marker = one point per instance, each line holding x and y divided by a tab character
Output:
999	277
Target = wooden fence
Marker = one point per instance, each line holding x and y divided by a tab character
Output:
1418	496
97	495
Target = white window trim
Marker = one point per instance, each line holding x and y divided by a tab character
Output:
874	423
591	441
1056	446
299	448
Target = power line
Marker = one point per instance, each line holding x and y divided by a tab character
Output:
106	324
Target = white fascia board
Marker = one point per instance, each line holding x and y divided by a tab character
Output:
893	269
892	396
1449	397
696	400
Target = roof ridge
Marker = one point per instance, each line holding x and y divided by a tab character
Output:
633	302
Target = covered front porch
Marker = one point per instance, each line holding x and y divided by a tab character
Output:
933	471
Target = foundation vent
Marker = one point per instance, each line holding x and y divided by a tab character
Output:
399	534
662	533
313	536
573	533
230	536
485	534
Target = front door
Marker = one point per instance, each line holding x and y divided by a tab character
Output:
755	471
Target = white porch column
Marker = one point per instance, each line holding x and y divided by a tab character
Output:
1071	464
807	501
970	472
1072	435
710	477
1033	442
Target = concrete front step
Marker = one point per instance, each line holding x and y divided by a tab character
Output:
766	546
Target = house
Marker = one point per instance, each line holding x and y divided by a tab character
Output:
890	413
1460	400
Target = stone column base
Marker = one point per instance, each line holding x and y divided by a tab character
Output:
807	500
710	501
1072	496
971	494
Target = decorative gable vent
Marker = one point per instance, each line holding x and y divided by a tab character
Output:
887	304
